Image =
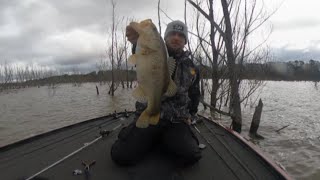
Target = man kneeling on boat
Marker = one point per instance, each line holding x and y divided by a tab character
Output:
173	132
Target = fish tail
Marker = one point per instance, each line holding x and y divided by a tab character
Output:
154	119
143	120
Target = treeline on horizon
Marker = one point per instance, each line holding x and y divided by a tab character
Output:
277	71
287	71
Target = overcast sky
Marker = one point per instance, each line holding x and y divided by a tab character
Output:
64	34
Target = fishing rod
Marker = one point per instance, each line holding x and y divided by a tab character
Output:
102	134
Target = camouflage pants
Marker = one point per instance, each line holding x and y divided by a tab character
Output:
176	139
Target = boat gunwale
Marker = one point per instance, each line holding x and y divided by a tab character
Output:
252	147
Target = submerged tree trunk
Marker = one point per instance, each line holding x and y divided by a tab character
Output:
112	49
256	121
235	108
215	54
214	90
122	83
202	91
97	89
127	72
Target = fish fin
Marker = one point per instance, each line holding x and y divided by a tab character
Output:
172	89
133	59
154	119
139	94
143	120
171	65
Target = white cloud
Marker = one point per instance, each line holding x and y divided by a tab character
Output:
73	42
300	23
58	32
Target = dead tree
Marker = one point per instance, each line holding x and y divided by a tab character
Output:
19	74
117	52
238	20
113	30
125	44
76	76
102	68
1	77
8	75
247	17
209	49
120	58
235	106
159	19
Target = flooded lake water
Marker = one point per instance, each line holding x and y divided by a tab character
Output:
27	112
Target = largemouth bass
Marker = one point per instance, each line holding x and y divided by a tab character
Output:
154	70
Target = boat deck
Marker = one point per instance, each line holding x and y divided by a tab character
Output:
225	156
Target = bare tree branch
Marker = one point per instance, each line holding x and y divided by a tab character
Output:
159	21
207	16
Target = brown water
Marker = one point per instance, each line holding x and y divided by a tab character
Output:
31	111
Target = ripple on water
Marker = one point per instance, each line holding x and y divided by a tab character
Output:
30	111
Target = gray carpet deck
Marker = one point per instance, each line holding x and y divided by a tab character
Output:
225	157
